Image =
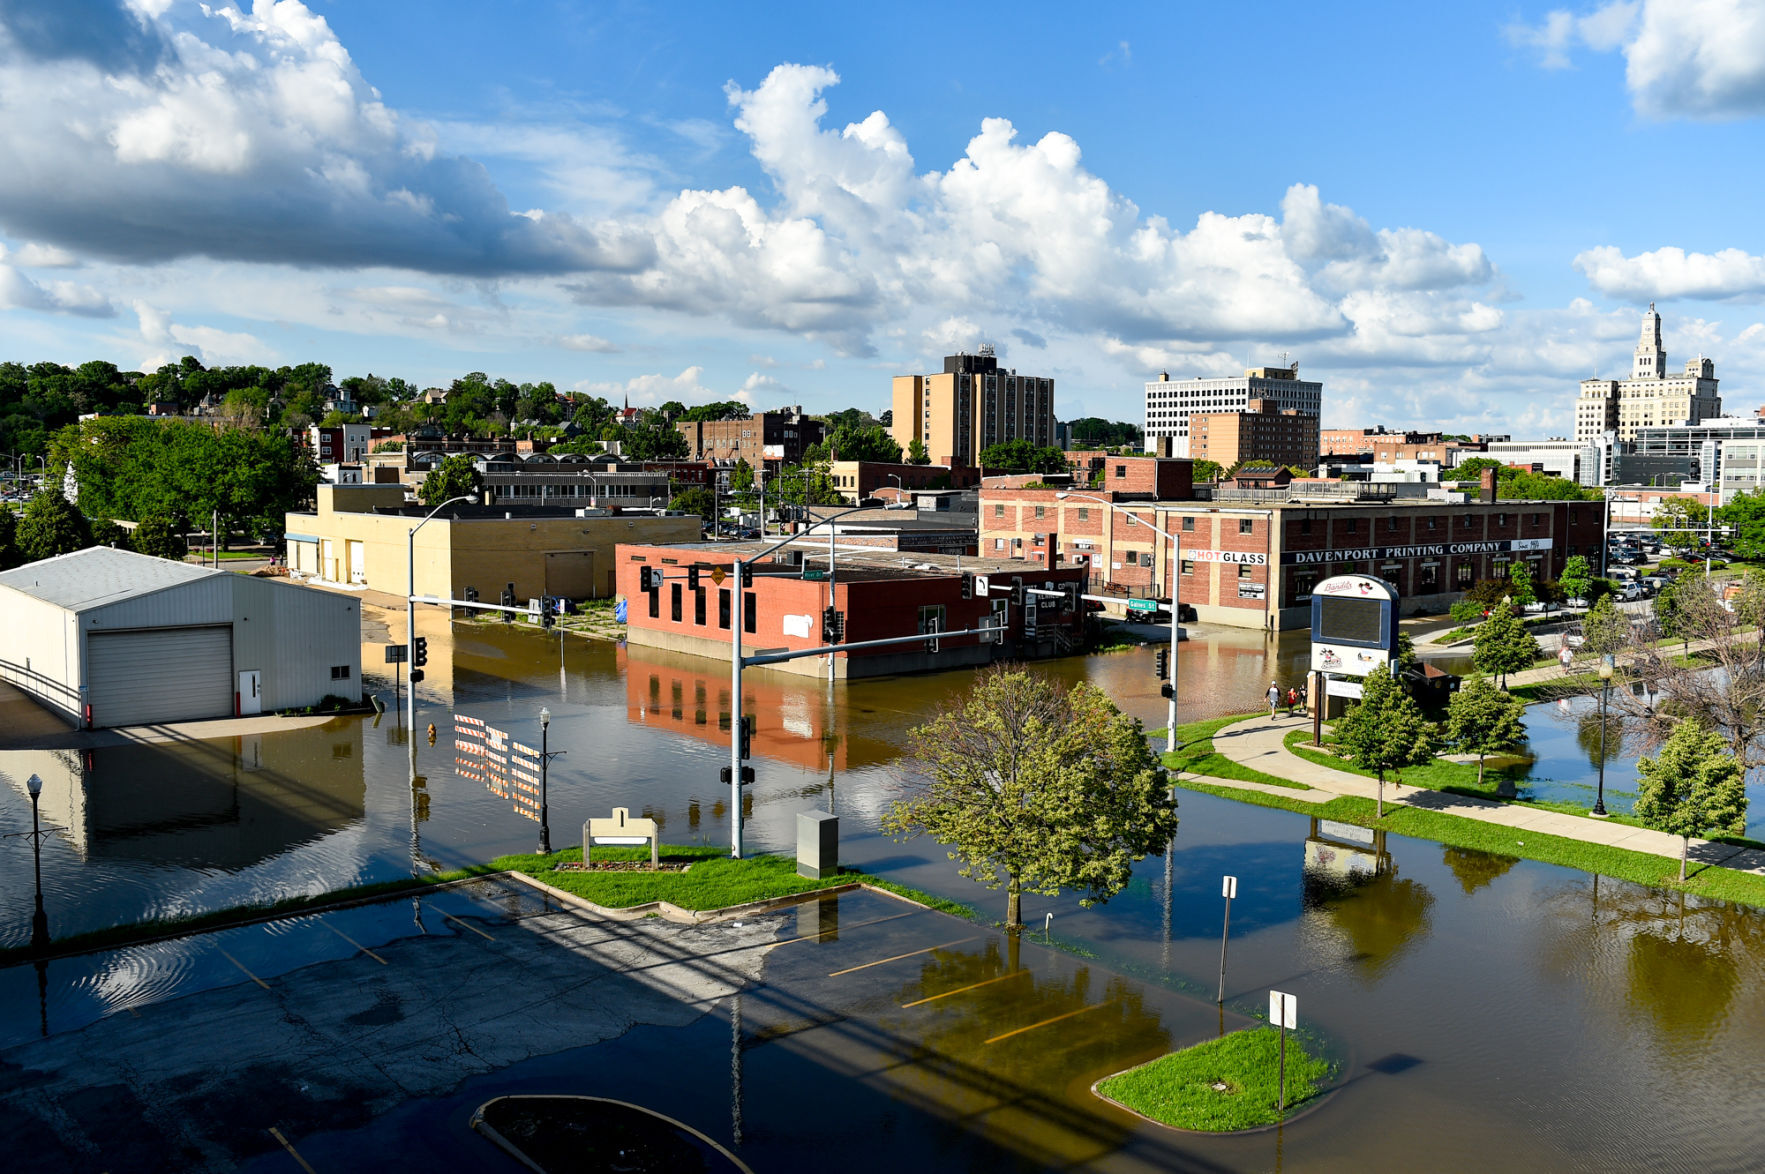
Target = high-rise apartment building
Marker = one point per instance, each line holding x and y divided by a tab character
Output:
1261	432
1171	402
970	406
1650	397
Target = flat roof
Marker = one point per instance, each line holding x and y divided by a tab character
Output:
100	575
864	562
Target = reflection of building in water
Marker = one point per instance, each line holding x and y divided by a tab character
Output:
216	804
1342	855
793	718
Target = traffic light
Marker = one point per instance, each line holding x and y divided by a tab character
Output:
692	578
1167	690
747	575
1161	664
546	605
509	601
744	735
416	675
747	775
471	595
827	622
420	652
967	585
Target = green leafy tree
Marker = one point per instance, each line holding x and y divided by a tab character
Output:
1521	589
1503	645
1749	603
161	537
855	443
1483	720
726	410
1020	456
916	452
51	525
1207	471
455	476
655	442
807	485
1678	520
741	483
1577	578
695	500
1385	732
1605	630
1693	787
1744	517
1038	788
9	553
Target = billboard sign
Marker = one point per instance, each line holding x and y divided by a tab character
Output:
1353	625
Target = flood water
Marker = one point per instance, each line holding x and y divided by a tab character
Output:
1491	1012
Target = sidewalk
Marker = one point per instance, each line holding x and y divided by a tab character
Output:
1258	743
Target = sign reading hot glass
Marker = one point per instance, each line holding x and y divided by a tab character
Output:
507	768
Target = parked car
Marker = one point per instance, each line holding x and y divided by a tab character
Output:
1657	582
1631	593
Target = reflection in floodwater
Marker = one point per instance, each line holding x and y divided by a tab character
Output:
1476	869
1355	903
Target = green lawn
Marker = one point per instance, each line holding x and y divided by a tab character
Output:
1180	1089
715	881
1195	754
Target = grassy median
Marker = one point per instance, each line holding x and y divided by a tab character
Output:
1222	1085
1195	753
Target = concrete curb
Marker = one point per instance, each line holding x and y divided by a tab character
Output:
672	912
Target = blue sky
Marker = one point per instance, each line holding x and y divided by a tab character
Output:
1450	214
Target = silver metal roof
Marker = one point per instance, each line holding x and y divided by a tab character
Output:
98	576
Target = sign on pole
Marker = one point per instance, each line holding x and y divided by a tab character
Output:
396	653
1228	890
1284	1014
981	586
1229	887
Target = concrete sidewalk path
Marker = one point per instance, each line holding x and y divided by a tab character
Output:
1259	743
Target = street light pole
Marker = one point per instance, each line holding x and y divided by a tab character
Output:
410	602
545	760
39	919
1176	569
1599	802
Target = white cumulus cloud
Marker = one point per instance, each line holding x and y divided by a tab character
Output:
1673	273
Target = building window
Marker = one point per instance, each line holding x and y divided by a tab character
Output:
998	511
1189	525
1501	519
340	672
674	601
1121	471
1305	525
1084	514
1244	571
1391	522
1246	525
1188	566
1464	575
1354	524
1499	568
750	612
699	608
1535	518
655	604
1433	522
1430	578
1041	511
723	609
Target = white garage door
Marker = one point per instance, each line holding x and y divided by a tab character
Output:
160	675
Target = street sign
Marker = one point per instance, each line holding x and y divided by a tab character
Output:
1283	1010
815	576
718	574
396	653
1229	887
1142	605
981	586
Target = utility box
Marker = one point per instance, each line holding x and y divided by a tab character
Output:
818	844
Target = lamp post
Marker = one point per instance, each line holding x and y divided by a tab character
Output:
39	919
1170	740
1599	802
410	600
545	830
899	488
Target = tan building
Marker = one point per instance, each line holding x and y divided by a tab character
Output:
1651	397
358	536
971	405
1264	432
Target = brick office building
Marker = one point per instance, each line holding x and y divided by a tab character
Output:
879	594
778	437
1255	566
1262	432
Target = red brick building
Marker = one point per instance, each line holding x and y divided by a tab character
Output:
878	593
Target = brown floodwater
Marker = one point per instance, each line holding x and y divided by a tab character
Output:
1490	1013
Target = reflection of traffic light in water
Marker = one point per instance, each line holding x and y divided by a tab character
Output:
431	733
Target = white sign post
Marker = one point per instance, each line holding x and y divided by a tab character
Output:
1284	1014
1228	890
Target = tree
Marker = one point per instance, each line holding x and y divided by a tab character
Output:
1503	645
1605	630
1694	787
741	483
695	500
9	555
1020	456
1577	578
51	526
1483	720
854	443
1206	470
1385	732
1522	591
1678	519
916	452
1039	788
1749	603
1744	516
655	442
807	485
456	476
160	536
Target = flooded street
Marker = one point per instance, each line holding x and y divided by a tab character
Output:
1490	1013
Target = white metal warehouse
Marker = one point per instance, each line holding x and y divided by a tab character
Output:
112	638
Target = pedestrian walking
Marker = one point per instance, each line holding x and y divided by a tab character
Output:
1566	658
1274	696
1302	699
1292	699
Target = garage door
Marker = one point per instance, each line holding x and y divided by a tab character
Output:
160	675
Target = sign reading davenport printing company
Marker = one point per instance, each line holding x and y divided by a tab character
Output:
1420	550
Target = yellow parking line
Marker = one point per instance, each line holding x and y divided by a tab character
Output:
815	937
908	954
473	928
1046	1022
241	966
353	942
971	986
292	1152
